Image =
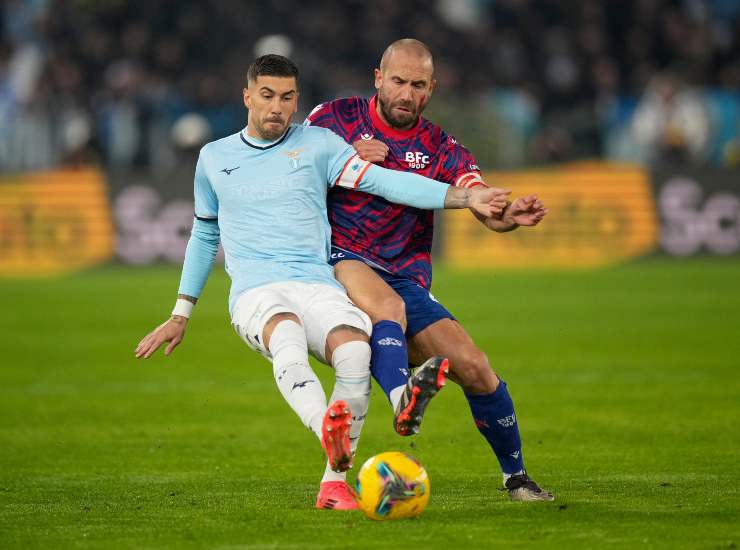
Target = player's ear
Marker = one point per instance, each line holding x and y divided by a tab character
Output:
378	78
432	86
247	98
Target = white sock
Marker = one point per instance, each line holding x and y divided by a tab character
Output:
351	362
395	396
507	476
295	378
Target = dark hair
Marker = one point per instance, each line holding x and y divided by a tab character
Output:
272	65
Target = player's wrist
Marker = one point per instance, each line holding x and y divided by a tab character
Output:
183	309
507	218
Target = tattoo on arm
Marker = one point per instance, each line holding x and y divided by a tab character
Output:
458	198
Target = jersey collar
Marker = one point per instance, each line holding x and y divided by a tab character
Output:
388	130
262	145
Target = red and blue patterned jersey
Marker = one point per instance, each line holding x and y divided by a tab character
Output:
396	238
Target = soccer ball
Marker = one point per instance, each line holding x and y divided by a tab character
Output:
392	485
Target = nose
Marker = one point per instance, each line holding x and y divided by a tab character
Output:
275	106
405	93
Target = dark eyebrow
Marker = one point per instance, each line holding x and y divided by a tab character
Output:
270	90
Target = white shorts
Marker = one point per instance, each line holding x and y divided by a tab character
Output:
320	308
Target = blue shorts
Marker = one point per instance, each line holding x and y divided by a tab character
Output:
422	308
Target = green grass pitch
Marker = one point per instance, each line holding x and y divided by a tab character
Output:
626	382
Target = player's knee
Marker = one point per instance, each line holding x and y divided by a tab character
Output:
474	371
279	317
351	362
389	308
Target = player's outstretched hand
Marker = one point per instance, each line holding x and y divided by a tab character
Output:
489	201
527	211
172	331
371	150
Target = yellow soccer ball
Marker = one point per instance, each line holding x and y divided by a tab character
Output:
392	485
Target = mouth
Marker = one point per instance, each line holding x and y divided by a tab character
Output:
402	109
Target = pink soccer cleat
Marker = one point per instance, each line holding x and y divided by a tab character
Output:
336	495
335	436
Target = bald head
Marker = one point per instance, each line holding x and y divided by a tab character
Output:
405	82
412	50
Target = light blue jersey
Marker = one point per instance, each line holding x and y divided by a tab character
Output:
267	205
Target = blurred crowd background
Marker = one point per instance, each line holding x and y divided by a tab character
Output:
131	84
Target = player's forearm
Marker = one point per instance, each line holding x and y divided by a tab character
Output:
406	188
458	198
199	257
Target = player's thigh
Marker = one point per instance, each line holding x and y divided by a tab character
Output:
370	292
444	337
327	309
254	309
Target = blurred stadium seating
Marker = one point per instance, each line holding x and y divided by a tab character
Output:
631	108
520	81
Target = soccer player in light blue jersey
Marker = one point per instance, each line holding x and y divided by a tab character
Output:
262	193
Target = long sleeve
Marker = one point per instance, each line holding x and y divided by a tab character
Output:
403	187
203	244
346	169
199	257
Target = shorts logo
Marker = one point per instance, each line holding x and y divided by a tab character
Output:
481	423
515	454
507	421
388	341
366	137
337	255
417	159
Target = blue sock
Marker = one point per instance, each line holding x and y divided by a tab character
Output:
496	421
389	359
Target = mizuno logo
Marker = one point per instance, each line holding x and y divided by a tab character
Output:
228	171
301	384
507	421
388	341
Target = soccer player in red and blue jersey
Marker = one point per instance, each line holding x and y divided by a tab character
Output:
382	255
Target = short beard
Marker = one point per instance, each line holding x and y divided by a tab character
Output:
396	122
270	135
